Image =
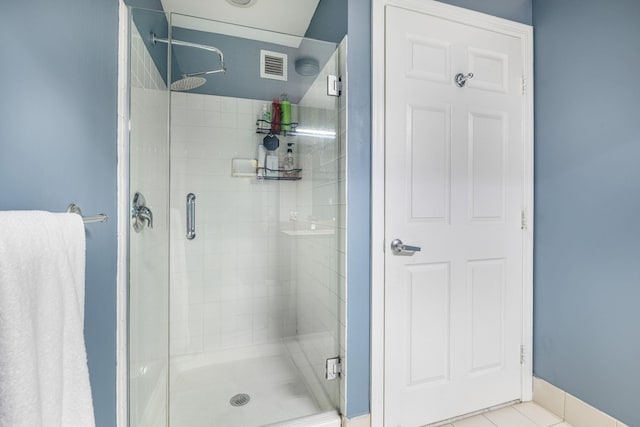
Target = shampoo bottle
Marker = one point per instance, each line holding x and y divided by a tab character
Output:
275	116
285	106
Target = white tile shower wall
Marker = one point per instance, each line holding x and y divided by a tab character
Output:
144	73
230	286
320	276
148	252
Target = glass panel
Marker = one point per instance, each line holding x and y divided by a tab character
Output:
254	310
148	248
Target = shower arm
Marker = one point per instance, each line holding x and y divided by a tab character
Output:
202	73
222	69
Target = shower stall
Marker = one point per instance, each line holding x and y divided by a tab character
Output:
237	237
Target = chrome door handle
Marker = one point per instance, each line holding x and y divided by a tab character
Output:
400	248
191	216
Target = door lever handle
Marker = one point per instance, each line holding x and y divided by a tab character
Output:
397	247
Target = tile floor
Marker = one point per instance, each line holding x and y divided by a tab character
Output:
528	414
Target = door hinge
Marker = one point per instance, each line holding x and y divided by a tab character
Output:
522	354
333	368
523	87
334	85
523	220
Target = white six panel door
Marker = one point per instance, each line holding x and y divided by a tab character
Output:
453	186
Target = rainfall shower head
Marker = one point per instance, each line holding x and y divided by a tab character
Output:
188	83
191	80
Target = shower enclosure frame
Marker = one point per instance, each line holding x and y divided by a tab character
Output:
122	271
123	180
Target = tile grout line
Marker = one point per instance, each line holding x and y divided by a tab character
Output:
534	421
487	418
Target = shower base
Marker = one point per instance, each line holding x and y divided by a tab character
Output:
203	388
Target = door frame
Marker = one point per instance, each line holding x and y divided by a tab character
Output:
525	34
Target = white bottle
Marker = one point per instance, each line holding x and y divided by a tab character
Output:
272	164
262	154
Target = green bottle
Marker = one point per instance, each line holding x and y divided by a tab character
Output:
285	107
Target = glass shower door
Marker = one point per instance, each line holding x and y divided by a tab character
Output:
254	297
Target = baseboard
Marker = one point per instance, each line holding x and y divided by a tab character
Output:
568	407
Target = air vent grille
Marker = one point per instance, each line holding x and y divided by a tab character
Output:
273	65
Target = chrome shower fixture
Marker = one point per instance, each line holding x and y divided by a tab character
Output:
187	83
191	80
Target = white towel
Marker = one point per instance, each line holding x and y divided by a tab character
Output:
44	380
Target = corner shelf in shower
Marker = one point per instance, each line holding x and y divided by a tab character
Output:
283	174
264	127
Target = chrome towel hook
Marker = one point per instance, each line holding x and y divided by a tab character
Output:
461	79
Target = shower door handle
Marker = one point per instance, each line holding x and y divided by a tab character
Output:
191	216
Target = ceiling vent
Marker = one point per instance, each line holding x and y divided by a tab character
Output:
273	65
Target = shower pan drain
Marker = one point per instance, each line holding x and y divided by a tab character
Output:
239	399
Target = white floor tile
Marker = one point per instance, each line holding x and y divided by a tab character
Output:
477	421
528	414
509	417
537	414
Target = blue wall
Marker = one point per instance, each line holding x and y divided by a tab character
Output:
329	22
587	238
359	208
58	145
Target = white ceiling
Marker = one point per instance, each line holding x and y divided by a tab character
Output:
282	16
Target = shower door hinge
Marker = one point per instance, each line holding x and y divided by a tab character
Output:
524	85
334	368
523	220
522	354
334	85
